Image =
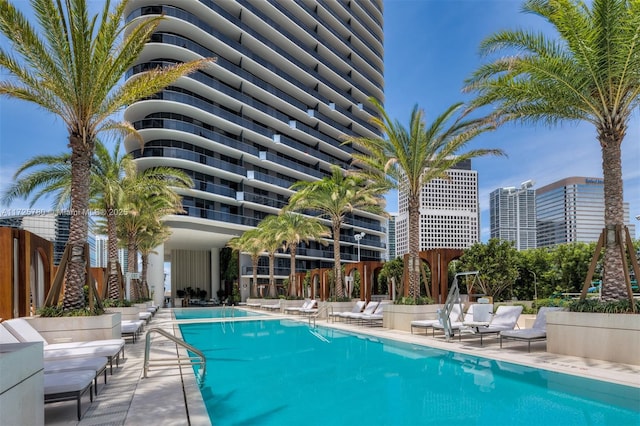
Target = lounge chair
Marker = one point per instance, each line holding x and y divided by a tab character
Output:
97	364
505	318
357	308
24	332
271	306
454	316
308	304
67	386
375	319
455	325
129	328
537	332
368	310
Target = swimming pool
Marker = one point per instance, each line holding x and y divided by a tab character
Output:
280	372
213	312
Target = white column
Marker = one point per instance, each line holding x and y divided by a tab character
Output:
155	275
215	273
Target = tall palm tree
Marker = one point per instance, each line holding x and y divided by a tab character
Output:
271	241
295	228
409	158
587	72
107	197
249	242
149	195
71	66
333	197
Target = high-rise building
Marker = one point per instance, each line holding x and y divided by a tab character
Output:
391	236
290	80
512	216
102	253
572	210
449	213
53	227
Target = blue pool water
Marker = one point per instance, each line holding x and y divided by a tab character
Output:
282	373
214	312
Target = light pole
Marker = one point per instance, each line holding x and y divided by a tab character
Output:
535	286
358	237
512	191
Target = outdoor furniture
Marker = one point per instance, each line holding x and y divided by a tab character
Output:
454	316
308	304
537	332
505	318
97	364
67	386
357	308
368	310
455	325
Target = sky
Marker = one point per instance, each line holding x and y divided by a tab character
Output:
431	47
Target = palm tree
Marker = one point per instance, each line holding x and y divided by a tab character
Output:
294	229
271	240
589	73
107	196
72	66
333	197
410	158
249	242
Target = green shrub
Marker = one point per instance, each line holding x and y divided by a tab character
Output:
597	306
110	303
57	311
414	301
339	299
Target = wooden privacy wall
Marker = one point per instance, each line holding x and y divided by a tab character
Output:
20	252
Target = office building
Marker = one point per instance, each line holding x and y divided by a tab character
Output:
102	253
290	80
449	213
572	210
512	216
391	236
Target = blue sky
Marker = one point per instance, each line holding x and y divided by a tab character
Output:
431	46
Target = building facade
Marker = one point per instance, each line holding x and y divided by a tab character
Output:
102	254
512	216
449	212
391	236
572	210
291	78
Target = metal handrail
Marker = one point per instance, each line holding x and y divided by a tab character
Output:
199	359
317	314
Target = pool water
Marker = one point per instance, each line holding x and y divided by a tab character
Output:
280	372
214	312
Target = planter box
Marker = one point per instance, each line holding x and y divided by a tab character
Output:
78	329
608	337
21	384
126	313
399	317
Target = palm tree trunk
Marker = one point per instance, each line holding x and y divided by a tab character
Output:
113	285
254	264
293	286
337	269
613	285
75	276
272	278
143	276
414	244
132	267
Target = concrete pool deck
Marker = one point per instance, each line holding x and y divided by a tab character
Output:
170	395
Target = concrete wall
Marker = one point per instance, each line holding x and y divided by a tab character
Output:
78	329
608	337
21	384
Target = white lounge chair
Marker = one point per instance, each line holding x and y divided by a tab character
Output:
454	316
130	328
67	386
308	304
97	364
24	332
368	310
505	318
271	306
375	319
537	332
357	308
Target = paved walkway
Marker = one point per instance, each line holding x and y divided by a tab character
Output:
166	397
170	396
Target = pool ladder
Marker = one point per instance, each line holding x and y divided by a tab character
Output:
326	308
198	359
